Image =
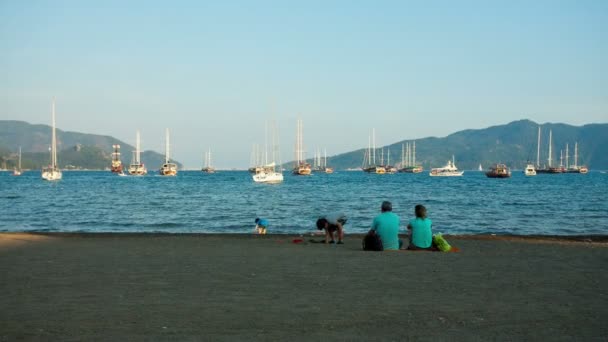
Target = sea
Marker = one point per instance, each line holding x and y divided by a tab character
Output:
229	201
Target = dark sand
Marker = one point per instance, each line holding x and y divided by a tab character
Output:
237	287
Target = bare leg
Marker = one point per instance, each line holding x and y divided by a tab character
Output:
340	232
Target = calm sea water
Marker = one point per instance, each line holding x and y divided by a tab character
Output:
228	202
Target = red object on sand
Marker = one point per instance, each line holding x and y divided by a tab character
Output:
297	240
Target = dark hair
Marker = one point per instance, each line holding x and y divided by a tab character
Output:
321	223
257	219
386	206
420	211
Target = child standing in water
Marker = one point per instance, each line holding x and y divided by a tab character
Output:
421	236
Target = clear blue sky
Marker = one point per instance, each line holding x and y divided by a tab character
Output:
214	71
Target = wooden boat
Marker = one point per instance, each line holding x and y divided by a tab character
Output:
301	167
168	168
52	172
498	171
208	168
137	168
408	159
116	166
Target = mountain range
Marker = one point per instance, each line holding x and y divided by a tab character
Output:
75	150
513	144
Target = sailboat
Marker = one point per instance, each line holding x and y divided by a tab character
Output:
116	162
136	168
168	168
301	167
17	171
369	160
480	168
576	168
52	172
208	168
449	170
550	168
408	159
268	173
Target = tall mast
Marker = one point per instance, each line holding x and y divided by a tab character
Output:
402	155
550	154
414	159
19	158
266	143
369	150
567	155
137	148
53	140
576	154
538	149
167	157
374	146
388	159
325	161
209	158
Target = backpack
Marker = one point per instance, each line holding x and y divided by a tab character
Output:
372	242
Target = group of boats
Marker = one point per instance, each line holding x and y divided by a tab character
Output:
269	172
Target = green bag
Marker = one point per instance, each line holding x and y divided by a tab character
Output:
441	243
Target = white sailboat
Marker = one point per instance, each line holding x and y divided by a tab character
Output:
208	168
480	168
449	170
17	171
369	161
52	172
168	168
268	173
136	168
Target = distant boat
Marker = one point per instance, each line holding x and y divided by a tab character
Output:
449	170
320	164
168	168
208	168
369	158
549	168
116	162
301	167
480	168
576	168
137	168
498	171
408	159
52	172
17	171
530	170
268	173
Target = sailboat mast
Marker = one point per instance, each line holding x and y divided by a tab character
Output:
567	156
266	143
19	158
550	154
402	155
325	160
137	148
414	155
374	146
576	154
53	141
167	157
538	149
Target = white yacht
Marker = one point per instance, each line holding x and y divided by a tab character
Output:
530	170
449	170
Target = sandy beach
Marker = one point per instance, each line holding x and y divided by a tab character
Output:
245	287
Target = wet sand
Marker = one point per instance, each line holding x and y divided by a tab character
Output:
245	287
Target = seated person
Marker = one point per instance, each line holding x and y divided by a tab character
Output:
332	224
386	225
261	225
421	236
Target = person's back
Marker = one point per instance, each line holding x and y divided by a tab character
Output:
421	226
386	226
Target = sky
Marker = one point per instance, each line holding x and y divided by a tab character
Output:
214	72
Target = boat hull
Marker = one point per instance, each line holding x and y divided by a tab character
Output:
137	170
269	178
51	174
168	169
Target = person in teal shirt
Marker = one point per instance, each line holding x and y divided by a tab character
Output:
421	235
386	225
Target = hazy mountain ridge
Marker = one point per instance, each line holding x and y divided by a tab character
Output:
514	144
78	150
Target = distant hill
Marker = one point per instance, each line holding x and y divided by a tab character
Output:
513	144
76	150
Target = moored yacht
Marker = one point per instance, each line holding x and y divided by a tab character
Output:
530	170
498	171
449	170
